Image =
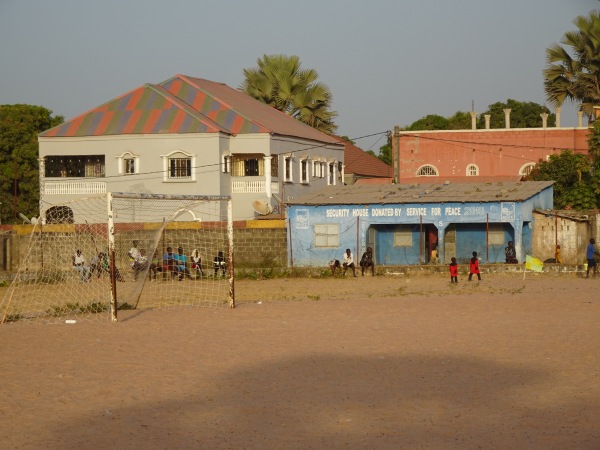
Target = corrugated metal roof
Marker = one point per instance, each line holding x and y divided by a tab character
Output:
429	193
185	104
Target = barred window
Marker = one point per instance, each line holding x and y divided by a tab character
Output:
427	171
472	170
75	166
327	235
180	167
247	165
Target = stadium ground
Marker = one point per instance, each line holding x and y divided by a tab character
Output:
356	363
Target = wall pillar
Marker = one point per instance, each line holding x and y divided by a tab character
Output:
544	117
580	119
268	176
487	121
507	118
473	120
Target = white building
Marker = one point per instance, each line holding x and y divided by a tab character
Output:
187	136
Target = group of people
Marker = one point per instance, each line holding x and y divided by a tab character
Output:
473	268
177	264
348	263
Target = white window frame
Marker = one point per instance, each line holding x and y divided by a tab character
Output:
288	168
526	169
122	163
331	173
178	154
472	170
304	178
326	235
428	170
226	163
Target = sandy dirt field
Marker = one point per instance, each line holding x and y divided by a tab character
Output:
385	362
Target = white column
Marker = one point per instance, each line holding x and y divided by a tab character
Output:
487	121
507	117
268	176
580	119
473	120
544	117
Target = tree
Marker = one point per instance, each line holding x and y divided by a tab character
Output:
280	82
429	122
522	115
385	151
19	168
575	76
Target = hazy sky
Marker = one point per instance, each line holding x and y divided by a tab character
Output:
387	62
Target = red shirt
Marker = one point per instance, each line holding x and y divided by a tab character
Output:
474	265
453	270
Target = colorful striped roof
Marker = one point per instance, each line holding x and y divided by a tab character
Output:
185	104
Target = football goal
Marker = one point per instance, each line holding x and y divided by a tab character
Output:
91	258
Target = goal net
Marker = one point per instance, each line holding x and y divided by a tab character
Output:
92	258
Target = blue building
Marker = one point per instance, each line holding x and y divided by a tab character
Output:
403	223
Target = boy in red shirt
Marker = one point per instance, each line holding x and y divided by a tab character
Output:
453	271
474	267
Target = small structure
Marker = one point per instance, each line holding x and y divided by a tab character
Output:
403	223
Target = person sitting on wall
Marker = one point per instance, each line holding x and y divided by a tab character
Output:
511	254
348	262
219	263
367	261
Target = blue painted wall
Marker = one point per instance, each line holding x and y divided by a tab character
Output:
351	225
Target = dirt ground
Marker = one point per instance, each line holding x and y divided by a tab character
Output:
385	362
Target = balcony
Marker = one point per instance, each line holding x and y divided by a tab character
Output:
73	187
252	187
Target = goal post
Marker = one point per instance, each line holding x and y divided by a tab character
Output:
91	258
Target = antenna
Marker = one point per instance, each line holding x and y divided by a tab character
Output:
262	207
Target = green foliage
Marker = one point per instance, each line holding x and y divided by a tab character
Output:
460	121
280	82
522	115
385	152
19	168
573	70
429	122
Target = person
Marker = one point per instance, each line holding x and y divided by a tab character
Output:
434	255
155	266
474	267
170	262
181	262
197	262
140	263
219	263
334	264
367	261
99	264
348	262
78	261
557	257
133	253
453	270
511	254
591	261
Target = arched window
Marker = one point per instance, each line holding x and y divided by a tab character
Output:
472	170
427	171
59	214
526	169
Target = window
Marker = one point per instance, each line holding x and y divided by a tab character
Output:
472	170
275	167
225	162
526	169
180	168
75	166
331	171
327	235
288	174
340	168
304	171
403	236
496	234
427	171
251	165
128	164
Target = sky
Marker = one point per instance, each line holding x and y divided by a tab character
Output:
386	62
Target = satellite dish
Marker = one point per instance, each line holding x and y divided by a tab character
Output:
34	220
262	207
25	218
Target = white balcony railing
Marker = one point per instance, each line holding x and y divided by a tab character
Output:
74	187
252	187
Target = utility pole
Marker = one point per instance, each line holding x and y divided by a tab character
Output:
396	153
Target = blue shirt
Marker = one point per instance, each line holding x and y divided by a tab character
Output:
591	249
181	260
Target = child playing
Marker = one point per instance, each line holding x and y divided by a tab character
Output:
474	267
453	271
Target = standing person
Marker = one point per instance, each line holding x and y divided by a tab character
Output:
454	271
133	253
78	261
474	267
219	263
557	257
197	262
348	262
511	254
367	261
589	254
434	255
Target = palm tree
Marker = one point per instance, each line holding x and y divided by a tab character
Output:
576	77
280	82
